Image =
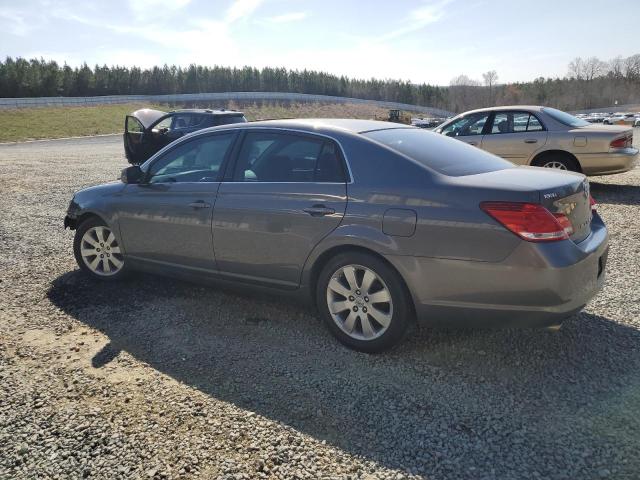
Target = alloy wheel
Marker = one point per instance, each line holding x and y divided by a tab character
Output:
359	302
100	251
555	164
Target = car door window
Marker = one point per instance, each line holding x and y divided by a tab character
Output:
501	124
184	120
466	126
198	160
277	157
525	122
134	125
534	124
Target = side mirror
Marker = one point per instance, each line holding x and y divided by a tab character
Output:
132	174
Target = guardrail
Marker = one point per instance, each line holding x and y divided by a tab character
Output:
210	97
617	108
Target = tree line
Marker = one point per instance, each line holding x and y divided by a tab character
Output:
40	78
589	83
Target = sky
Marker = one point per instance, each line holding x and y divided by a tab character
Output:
429	41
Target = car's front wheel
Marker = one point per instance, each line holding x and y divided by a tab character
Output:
363	301
97	250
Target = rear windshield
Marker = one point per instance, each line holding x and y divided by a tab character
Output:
227	119
565	118
438	152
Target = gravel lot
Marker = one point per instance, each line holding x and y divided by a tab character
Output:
154	378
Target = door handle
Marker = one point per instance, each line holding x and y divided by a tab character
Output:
531	140
199	204
319	211
473	143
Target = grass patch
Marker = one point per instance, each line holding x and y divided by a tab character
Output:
57	122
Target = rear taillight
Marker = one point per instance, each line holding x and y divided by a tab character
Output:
622	142
530	221
592	202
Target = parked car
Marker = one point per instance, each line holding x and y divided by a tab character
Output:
146	131
546	137
620	119
376	223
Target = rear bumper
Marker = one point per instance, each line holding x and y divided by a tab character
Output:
537	285
608	163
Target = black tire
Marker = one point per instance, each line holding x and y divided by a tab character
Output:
401	313
88	224
561	158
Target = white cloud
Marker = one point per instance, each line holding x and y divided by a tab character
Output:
428	13
15	23
288	17
240	9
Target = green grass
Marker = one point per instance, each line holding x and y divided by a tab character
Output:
58	122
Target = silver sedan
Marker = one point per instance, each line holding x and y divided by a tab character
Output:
546	137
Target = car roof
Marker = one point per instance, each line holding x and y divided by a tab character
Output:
531	108
208	111
320	125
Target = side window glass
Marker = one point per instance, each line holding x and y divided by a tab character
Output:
278	157
501	123
466	126
198	160
520	122
134	125
164	124
534	124
181	120
330	167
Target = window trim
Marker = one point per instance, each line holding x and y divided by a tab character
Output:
231	165
187	139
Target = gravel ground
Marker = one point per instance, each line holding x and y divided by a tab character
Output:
154	378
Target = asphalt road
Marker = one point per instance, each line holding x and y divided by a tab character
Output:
155	378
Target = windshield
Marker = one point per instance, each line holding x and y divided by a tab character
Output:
444	155
565	118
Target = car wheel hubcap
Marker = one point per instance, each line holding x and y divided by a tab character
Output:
359	302
100	251
558	165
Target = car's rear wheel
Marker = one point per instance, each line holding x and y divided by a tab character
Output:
557	161
97	250
363	301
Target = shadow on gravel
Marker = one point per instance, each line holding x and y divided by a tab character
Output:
425	407
616	194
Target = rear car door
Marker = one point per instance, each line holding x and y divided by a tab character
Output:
468	129
167	219
285	193
515	136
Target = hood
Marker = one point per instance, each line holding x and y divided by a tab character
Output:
100	190
147	116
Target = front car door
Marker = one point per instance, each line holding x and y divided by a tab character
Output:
167	218
285	193
515	136
468	129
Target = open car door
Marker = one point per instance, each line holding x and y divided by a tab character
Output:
133	139
136	141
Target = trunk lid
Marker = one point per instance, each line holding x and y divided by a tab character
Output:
558	191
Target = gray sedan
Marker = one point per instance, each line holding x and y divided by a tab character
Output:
377	224
546	137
